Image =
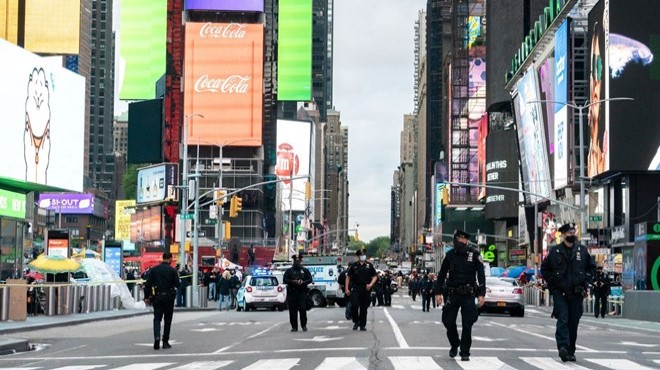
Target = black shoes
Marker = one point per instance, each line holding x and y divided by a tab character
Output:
166	344
572	358
465	358
563	354
304	328
363	329
355	326
453	352
294	329
157	343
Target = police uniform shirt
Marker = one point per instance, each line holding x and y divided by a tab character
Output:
462	268
163	278
361	274
566	268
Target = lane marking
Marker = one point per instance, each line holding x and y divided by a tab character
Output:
479	363
274	364
618	364
397	332
203	365
223	349
147	366
349	349
539	335
82	367
550	363
414	363
336	363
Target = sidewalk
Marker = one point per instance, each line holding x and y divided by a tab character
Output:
613	322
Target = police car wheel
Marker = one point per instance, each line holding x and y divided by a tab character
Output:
280	308
245	306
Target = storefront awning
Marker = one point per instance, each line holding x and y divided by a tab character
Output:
26	187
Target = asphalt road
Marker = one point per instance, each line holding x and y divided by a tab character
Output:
397	337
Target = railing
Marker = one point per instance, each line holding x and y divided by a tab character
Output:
539	297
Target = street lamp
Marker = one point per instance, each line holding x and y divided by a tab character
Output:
580	108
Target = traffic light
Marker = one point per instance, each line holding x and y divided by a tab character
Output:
239	204
220	197
235	205
308	191
445	195
227	228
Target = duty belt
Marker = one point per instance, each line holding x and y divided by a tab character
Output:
462	290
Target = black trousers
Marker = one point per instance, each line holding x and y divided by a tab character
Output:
469	316
426	301
297	305
600	304
567	311
360	298
388	296
163	308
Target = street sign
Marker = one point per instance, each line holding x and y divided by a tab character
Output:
200	234
186	216
595	218
213	212
211	221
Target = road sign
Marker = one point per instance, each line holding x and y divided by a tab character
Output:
186	216
200	234
213	212
211	221
595	218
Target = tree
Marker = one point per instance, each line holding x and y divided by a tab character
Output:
354	245
129	182
378	247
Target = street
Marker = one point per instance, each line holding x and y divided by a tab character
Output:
398	337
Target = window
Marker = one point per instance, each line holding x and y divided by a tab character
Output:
71	220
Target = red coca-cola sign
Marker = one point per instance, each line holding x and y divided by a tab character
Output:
287	162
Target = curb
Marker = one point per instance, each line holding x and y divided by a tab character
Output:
10	346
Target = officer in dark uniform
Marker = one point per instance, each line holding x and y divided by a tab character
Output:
568	269
387	283
160	291
600	291
360	279
466	280
296	279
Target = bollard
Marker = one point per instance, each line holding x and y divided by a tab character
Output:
188	296
105	298
94	297
87	301
203	294
51	301
4	303
108	297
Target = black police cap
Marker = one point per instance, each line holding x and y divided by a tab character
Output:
462	233
567	228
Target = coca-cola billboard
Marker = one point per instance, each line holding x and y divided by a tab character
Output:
227	5
224	82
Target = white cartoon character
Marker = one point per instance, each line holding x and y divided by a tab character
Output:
36	138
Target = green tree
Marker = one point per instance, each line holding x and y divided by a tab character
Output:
378	247
354	245
129	182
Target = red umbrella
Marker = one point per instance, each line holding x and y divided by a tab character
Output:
35	275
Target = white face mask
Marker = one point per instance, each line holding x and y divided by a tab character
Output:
363	258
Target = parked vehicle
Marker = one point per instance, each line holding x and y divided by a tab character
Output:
504	295
262	289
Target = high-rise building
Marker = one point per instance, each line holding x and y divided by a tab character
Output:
120	134
322	54
336	167
408	144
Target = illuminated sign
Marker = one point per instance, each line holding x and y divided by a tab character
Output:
294	51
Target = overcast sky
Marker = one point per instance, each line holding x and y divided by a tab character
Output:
373	89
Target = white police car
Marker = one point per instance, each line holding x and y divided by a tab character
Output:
261	289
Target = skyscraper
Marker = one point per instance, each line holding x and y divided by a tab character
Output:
322	55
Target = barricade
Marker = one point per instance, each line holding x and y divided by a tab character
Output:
4	303
588	305
615	305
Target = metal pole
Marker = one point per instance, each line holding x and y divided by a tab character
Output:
536	240
288	249
184	195
195	266
221	208
583	226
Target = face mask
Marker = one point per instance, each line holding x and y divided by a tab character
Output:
459	245
571	239
296	263
363	258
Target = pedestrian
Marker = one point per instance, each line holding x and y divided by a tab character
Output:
466	280
130	280
213	277
568	269
360	279
426	287
160	292
414	285
387	284
433	278
186	281
296	279
600	292
224	290
234	285
380	289
251	255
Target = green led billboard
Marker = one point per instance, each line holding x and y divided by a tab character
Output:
142	36
294	52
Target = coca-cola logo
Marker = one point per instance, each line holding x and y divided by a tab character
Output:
223	30
234	84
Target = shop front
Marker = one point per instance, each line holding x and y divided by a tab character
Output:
12	231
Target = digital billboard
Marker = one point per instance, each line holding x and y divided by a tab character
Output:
502	170
224	82
145	131
81	204
226	5
597	159
12	204
294	146
294	51
560	111
146	225
141	44
157	183
123	211
52	27
477	118
531	138
43	115
634	72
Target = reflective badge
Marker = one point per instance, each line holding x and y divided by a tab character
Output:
579	255
470	256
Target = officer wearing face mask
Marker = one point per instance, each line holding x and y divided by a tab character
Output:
360	279
466	281
568	270
296	279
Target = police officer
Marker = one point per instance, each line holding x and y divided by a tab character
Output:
296	279
387	283
160	291
466	280
600	291
567	268
360	279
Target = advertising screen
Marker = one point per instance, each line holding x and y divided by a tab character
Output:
502	170
536	172
598	157
123	211
12	204
478	120
146	225
294	51
294	142
224	83
58	243
67	203
560	111
226	5
43	115
141	44
52	27
634	72
112	255
145	127
157	183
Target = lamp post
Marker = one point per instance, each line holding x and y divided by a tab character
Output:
339	205
580	108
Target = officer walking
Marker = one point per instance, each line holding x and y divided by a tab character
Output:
387	283
426	287
360	279
466	280
568	269
160	291
600	291
296	279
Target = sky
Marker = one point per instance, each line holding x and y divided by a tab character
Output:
373	89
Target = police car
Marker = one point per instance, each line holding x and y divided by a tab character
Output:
261	289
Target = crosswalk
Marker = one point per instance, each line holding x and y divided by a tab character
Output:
388	362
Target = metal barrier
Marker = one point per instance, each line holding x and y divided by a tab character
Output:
4	303
615	305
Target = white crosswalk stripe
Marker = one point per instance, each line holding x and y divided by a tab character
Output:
274	364
414	363
618	364
550	363
203	365
478	363
84	367
151	366
336	363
